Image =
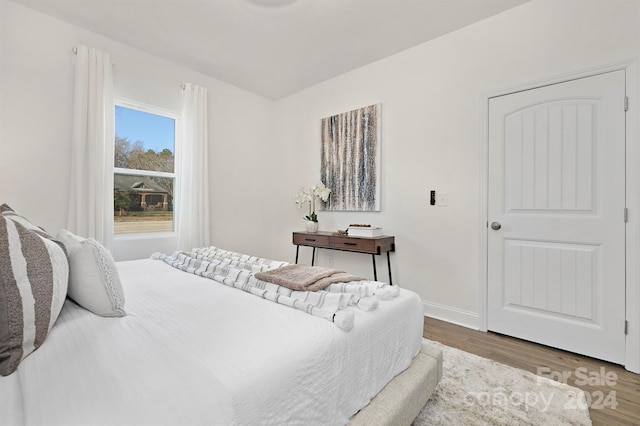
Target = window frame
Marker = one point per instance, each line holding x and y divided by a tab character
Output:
151	109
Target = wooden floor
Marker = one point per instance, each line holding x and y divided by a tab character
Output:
606	384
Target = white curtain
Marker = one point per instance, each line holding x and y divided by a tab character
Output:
192	204
91	186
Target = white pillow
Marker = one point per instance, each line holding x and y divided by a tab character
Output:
94	282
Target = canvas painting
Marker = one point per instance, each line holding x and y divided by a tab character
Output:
350	162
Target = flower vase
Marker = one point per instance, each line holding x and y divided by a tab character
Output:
311	226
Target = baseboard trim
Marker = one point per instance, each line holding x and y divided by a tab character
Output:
453	315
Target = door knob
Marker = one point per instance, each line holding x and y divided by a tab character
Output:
496	225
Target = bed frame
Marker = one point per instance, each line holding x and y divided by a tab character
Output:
400	401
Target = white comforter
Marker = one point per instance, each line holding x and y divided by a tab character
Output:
192	351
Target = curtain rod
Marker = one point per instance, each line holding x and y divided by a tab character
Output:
74	50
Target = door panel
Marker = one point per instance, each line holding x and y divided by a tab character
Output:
557	278
545	168
556	266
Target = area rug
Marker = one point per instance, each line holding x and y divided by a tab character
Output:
479	391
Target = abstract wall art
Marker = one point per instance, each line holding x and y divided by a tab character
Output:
350	159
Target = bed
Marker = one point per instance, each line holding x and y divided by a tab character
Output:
186	349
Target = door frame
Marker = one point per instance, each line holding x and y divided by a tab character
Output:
632	233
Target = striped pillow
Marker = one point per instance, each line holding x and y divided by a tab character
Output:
34	274
11	214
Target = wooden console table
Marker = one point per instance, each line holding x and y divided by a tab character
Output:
331	241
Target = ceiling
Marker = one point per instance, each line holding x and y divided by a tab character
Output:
273	48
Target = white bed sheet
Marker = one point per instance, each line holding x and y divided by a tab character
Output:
193	351
11	401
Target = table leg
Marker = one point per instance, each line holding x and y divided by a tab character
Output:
313	256
297	252
375	273
389	265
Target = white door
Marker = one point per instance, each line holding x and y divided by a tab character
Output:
556	210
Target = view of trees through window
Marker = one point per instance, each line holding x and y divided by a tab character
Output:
144	178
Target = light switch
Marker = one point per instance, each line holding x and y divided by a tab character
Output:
442	199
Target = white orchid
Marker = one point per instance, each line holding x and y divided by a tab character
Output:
302	197
320	190
309	195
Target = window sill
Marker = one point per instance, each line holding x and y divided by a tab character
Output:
147	236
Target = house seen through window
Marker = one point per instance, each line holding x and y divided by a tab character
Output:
144	178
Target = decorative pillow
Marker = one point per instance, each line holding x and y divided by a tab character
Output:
11	214
34	273
94	282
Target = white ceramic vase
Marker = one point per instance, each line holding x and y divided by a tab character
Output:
311	226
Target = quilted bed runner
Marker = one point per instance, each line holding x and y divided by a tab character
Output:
239	271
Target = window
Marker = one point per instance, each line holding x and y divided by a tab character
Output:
144	175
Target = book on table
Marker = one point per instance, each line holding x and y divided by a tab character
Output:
361	231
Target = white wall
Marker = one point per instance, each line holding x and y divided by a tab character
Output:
36	74
430	99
